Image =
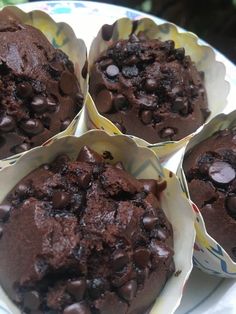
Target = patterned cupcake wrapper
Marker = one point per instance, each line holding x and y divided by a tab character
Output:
209	255
63	37
140	162
203	56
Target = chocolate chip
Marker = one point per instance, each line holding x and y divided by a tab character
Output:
88	155
180	53
128	290
104	100
32	126
160	249
77	308
120	102
149	221
119	260
112	71
169	45
77	288
142	275
68	83
141	257
4	211
51	105
97	286
60	199
221	172
150	185
160	234
65	124
24	90
39	104
167	133
1	231
179	104
84	180
7	123
130	71
31	300
146	116
21	148
23	188
150	85
231	206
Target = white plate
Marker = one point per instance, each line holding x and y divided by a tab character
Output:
204	294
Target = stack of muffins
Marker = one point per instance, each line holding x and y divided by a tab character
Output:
85	234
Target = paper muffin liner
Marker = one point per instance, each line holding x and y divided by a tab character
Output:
140	162
61	36
204	57
209	255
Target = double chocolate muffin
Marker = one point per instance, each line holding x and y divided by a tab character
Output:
149	89
84	236
210	168
39	92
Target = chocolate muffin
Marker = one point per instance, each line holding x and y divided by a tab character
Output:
210	168
84	236
149	89
39	92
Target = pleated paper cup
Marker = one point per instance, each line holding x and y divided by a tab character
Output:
204	57
61	36
209	255
141	163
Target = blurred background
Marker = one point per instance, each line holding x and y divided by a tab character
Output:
212	20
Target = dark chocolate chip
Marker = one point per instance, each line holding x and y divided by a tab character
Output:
120	102
221	172
128	290
51	105
180	53
21	148
60	199
146	116
32	126
88	155
31	300
97	287
77	308
149	221
7	123
150	185
65	124
119	260
161	234
150	85
24	90
68	83
167	133
231	206
39	104
141	257
4	211
112	71
104	101
130	71
169	45
160	249
77	288
84	180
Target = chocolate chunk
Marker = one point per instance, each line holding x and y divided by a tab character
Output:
7	123
221	172
149	221
128	290
120	102
169	45
231	206
151	85
68	83
32	126
84	180
130	71
4	211
39	104
60	199
104	101
97	286
180	53
31	300
141	257
146	116
88	155
167	133
77	308
119	260
24	90
150	185
21	148
77	288
51	105
160	249
161	234
65	124
112	71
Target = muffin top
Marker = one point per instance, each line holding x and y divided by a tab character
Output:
39	92
84	236
210	168
149	89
